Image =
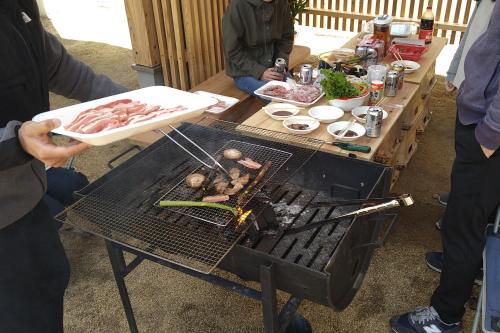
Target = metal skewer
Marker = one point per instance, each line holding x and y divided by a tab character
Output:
216	163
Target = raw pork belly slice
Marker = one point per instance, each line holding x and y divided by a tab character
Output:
117	114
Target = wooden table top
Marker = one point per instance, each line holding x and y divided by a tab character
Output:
426	62
393	105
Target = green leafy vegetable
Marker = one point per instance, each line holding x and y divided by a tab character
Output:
335	85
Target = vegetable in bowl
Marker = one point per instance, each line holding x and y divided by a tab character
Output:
335	85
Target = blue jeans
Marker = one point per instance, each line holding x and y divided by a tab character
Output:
61	183
248	84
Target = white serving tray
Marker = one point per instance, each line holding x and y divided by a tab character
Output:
259	92
155	95
230	101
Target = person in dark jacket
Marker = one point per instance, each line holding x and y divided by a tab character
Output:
475	188
254	34
34	271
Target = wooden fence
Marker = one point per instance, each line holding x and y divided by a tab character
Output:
184	36
452	16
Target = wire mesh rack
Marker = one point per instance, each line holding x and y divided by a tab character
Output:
181	192
121	206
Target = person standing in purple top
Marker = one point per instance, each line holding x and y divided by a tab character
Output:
475	189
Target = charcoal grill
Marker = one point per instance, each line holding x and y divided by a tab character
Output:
325	265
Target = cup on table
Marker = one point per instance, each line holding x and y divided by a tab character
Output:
377	73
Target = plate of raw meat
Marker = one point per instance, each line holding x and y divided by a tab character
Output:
278	91
117	117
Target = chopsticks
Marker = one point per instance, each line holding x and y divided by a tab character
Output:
399	58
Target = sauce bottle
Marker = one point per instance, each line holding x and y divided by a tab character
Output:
427	25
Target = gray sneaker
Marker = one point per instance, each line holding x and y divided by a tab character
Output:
423	320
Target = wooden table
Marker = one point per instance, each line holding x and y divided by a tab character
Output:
409	112
390	128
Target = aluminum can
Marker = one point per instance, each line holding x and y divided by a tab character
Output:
306	74
374	122
370	53
400	69
391	84
376	91
280	65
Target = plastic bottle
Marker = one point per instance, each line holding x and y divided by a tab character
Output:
427	25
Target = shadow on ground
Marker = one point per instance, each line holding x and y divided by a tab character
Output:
167	301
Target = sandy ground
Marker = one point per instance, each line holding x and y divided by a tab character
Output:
167	301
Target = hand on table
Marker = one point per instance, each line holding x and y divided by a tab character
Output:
270	74
35	140
449	86
487	152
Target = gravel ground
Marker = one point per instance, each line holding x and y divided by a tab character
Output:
167	301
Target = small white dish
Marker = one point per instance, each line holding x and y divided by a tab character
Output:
326	114
272	108
363	110
410	66
311	122
341	125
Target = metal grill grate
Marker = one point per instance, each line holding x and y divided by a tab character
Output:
120	206
262	154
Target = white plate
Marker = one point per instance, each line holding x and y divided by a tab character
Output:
313	124
230	101
269	109
356	112
156	95
259	92
411	66
326	114
341	125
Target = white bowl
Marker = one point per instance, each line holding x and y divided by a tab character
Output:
313	124
326	114
340	125
360	110
410	66
269	109
347	104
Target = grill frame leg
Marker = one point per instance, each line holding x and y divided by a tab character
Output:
119	271
269	300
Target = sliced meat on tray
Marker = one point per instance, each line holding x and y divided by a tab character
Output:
117	114
303	94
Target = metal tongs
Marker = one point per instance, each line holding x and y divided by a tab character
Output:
216	163
404	200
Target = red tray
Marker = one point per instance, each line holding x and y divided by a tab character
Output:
408	52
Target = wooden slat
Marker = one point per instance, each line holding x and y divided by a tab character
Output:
140	17
386	7
217	34
421	7
353	9
369	7
412	13
438	14
179	43
337	8
394	8
344	20
171	45
456	20
211	39
322	18
162	42
190	31
467	11
360	10
206	49
330	19
402	12
447	16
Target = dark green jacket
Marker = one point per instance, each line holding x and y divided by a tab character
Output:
254	34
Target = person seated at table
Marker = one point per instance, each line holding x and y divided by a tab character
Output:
254	34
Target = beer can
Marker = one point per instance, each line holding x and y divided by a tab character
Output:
280	65
400	69
306	74
391	84
376	91
373	125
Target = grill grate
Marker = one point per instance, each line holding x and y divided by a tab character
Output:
262	154
121	205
